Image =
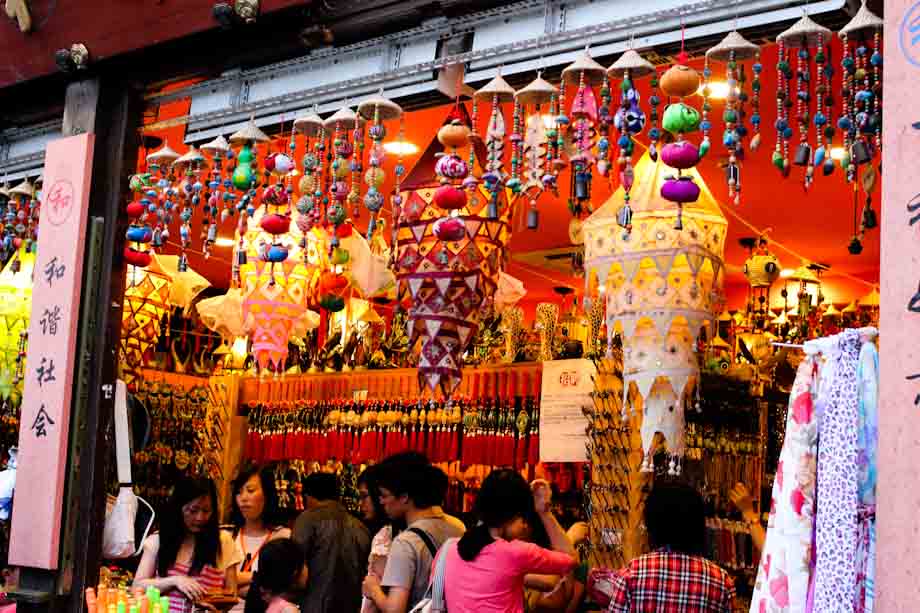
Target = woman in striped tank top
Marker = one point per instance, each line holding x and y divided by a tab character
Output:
190	557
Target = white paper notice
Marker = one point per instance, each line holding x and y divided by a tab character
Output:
566	388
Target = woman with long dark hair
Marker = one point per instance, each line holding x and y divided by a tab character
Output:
485	570
189	558
256	520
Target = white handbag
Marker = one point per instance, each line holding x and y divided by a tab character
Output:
433	602
121	536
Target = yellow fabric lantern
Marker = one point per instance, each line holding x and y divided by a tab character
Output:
15	308
662	285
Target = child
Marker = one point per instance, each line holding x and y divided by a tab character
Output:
282	569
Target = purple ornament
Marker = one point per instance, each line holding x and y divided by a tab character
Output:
452	167
681	190
681	155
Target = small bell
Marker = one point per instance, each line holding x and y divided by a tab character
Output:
492	208
533	218
855	247
241	257
679	220
582	186
624	216
828	166
733	176
861	153
183	263
802	154
869	217
16	266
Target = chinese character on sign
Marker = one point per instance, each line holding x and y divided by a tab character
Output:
41	423
917	397
45	372
53	271
50	320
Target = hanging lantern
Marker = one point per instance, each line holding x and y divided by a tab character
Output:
629	121
449	284
807	39
311	189
339	125
539	173
660	285
734	48
376	110
584	74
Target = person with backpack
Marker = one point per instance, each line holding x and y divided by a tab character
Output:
411	489
484	572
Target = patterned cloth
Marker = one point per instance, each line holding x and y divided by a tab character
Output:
664	582
783	575
867	453
835	520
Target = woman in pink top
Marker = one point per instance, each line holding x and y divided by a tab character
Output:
486	568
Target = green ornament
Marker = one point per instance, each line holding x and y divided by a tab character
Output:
244	175
730	116
680	118
704	148
778	160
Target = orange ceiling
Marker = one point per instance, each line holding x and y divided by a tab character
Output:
817	224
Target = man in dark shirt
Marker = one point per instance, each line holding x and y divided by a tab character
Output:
336	545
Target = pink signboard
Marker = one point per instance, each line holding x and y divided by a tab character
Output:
898	520
50	359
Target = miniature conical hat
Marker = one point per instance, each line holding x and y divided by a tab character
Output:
538	91
5	190
637	65
831	311
24	189
344	117
584	64
872	299
250	133
192	156
850	308
310	125
803	273
496	88
164	155
218	146
733	42
387	109
804	32
864	19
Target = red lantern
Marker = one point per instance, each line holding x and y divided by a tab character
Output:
276	224
141	259
449	198
135	210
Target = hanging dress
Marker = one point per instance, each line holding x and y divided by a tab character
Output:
783	574
867	451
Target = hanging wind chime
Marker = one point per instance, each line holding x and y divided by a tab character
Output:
158	193
220	195
376	110
190	167
733	49
310	204
807	40
21	222
539	140
584	74
629	121
497	92
680	119
341	123
861	113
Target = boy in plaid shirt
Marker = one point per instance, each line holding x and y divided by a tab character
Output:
674	577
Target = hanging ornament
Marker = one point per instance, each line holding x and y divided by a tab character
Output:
861	119
734	48
806	39
376	110
756	86
537	143
310	203
191	166
497	92
761	268
681	81
220	196
340	124
629	120
584	74
783	104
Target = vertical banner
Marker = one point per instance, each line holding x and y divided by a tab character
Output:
566	388
50	360
897	520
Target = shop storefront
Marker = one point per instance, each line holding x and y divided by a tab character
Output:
601	245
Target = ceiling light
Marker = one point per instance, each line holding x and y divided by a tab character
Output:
718	90
223	241
400	147
837	153
787	272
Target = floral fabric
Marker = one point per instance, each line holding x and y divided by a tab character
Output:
783	575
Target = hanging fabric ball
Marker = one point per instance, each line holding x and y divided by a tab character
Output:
681	190
449	198
140	259
680	118
681	155
275	224
680	81
451	166
449	229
